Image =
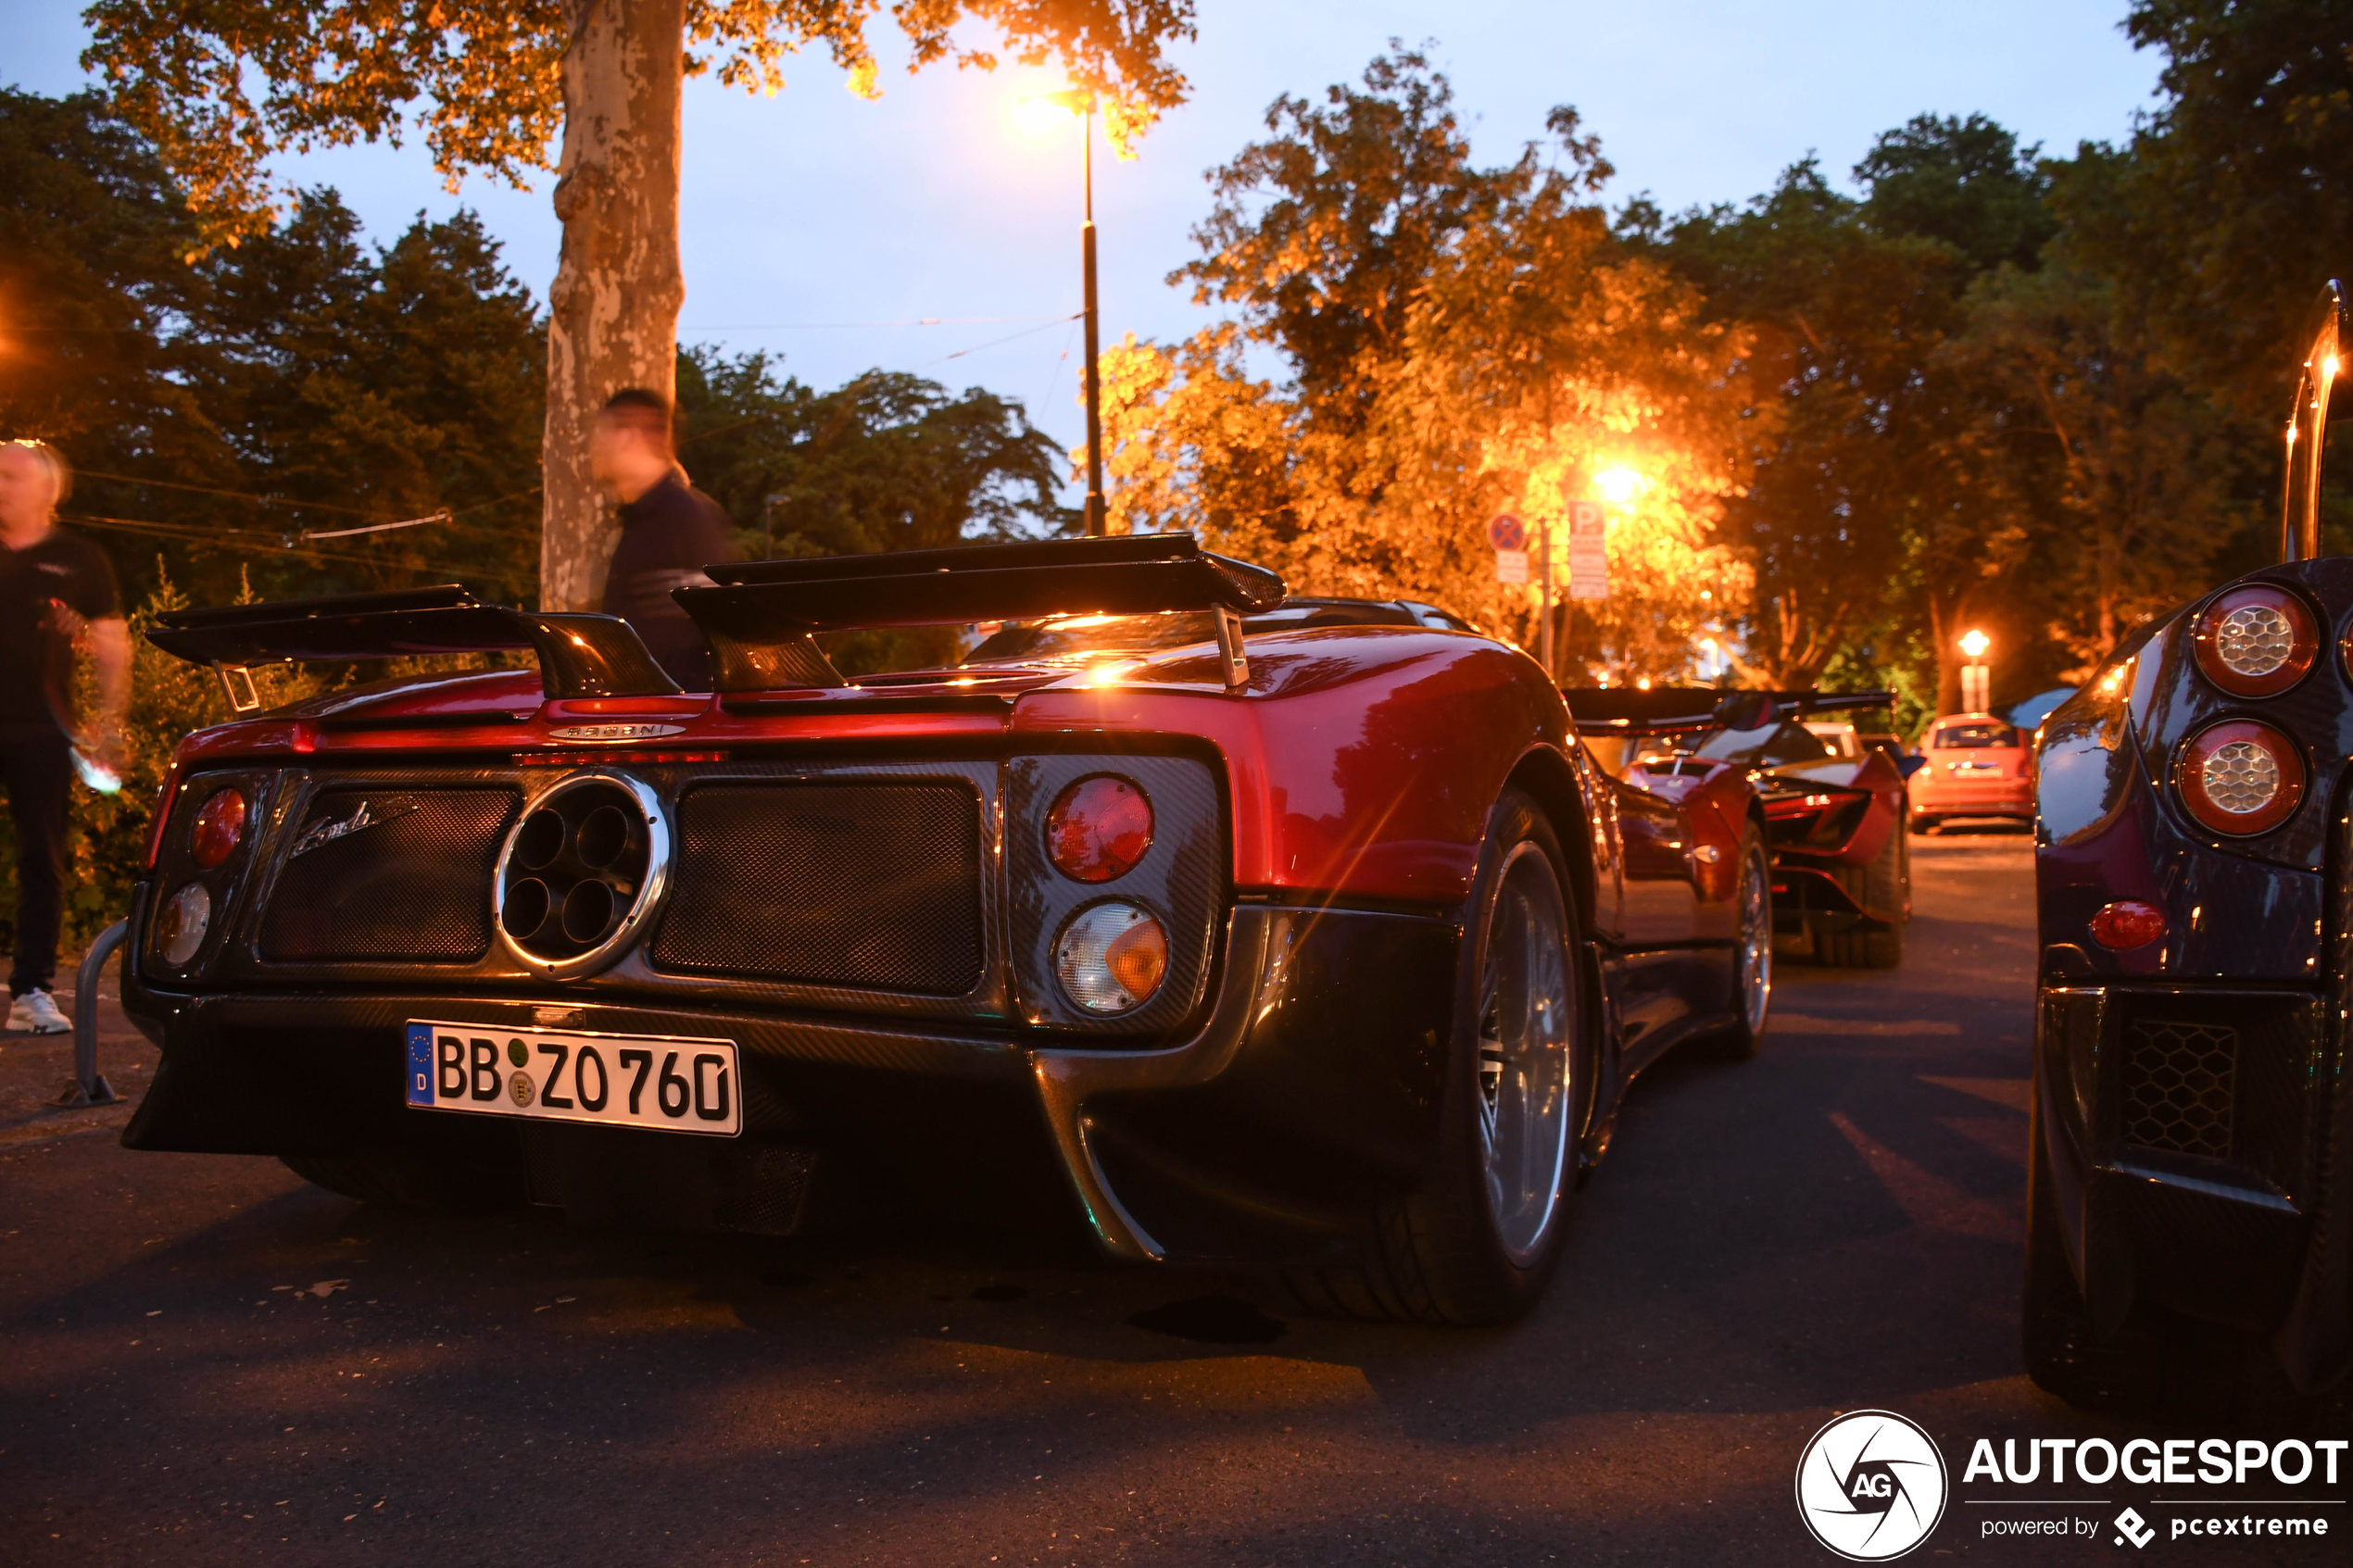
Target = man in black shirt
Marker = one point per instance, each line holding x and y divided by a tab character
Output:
57	591
670	531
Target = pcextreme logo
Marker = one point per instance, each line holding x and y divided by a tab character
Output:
1871	1485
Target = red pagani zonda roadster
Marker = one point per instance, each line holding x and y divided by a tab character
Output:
1289	936
1702	760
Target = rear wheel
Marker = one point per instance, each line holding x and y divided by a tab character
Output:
1885	883
1752	949
1474	1242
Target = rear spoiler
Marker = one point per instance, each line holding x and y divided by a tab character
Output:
761	614
579	655
758	620
1659	711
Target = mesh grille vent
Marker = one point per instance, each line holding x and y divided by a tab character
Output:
412	886
866	885
2179	1080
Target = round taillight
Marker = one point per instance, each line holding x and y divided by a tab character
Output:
2128	923
2240	777
181	922
2256	641
1099	828
1111	957
219	827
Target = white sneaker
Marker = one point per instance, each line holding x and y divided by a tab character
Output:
37	1012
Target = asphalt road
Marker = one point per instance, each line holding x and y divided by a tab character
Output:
207	1361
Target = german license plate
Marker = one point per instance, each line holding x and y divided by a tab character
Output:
657	1080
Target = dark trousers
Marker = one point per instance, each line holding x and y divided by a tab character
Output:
37	766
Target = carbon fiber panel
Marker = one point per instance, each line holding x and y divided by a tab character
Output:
407	880
867	884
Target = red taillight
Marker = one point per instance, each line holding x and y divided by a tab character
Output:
2240	777
2128	923
1100	828
2256	641
219	827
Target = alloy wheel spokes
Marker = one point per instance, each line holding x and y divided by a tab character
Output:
1524	1053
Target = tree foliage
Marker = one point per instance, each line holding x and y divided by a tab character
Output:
220	85
1456	341
2242	186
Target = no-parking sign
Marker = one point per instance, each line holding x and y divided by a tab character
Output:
1505	534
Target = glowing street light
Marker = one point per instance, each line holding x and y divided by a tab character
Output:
1617	486
1977	677
1046	107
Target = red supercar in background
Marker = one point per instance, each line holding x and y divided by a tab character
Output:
1244	930
1698	761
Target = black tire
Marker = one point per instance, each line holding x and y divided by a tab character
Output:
1440	1254
1752	995
437	1182
1885	883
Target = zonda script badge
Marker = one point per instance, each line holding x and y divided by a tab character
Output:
371	814
1870	1486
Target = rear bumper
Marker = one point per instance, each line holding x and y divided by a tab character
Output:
1311	1089
2010	799
2198	1141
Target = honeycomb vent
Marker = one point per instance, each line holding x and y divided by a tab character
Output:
2179	1082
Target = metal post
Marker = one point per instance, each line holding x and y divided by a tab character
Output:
1095	508
1545	543
88	1087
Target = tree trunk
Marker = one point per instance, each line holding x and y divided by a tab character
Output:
612	315
1942	619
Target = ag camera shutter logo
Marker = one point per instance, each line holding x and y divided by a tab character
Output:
1871	1485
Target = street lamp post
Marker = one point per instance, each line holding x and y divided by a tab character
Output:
1081	102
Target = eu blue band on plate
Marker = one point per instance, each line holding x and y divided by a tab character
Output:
421	1064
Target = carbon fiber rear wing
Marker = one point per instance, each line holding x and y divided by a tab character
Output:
579	655
760	615
1660	710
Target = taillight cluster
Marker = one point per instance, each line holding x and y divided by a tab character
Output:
185	919
2243	776
1111	955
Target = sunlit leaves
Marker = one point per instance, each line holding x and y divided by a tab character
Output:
220	85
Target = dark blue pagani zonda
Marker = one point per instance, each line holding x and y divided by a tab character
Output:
2190	1201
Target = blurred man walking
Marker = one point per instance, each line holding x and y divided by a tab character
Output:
670	531
57	591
